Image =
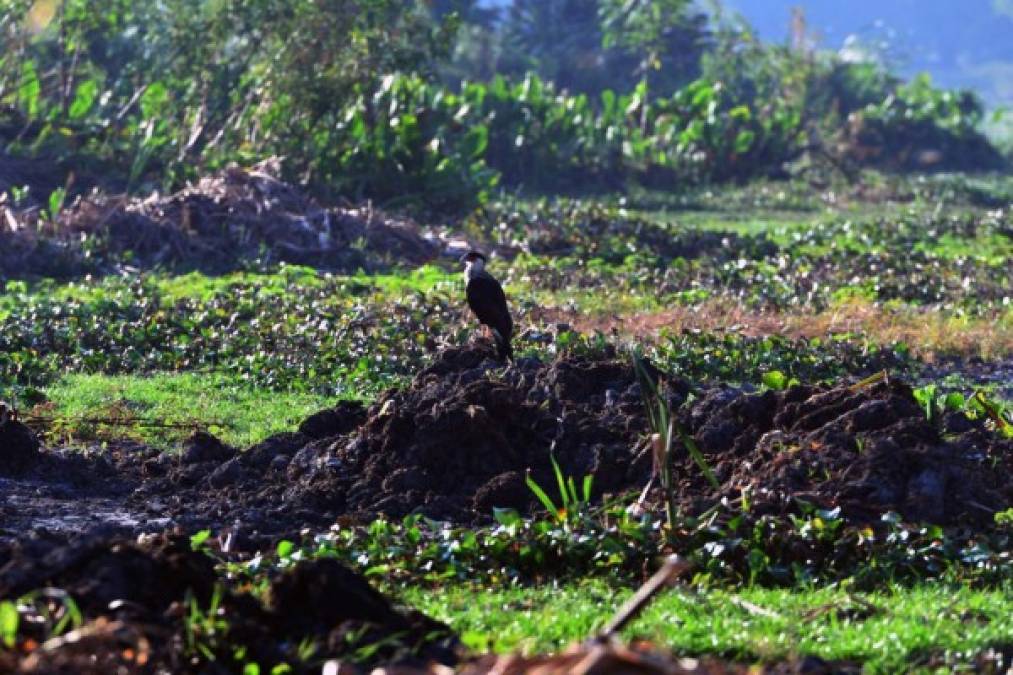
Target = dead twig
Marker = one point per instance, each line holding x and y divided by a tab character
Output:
752	608
113	421
674	566
881	376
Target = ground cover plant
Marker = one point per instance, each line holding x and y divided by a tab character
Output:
248	423
732	545
172	397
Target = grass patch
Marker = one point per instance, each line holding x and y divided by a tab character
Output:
890	630
237	412
202	287
425	279
991	249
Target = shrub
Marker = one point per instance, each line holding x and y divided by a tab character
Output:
153	94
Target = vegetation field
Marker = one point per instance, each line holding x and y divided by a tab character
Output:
762	301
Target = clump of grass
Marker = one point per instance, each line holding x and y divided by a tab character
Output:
572	504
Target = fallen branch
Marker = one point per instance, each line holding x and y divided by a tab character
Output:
674	566
112	421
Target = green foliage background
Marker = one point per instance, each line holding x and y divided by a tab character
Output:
394	101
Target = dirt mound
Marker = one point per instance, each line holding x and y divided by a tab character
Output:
215	224
867	450
459	440
354	615
136	598
97	573
19	449
343	418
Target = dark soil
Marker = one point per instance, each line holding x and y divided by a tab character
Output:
19	449
138	596
453	445
98	572
867	450
458	442
220	223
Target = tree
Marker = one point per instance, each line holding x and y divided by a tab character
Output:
656	32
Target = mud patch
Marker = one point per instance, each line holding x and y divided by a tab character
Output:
458	442
19	449
65	492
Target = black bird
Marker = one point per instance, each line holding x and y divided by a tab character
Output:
488	302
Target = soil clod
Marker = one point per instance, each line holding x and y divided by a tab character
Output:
138	596
19	448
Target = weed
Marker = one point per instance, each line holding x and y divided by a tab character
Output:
572	504
664	431
10	618
205	630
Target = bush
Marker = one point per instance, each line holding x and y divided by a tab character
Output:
157	93
917	126
163	91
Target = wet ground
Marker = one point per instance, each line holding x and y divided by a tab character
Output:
459	440
453	445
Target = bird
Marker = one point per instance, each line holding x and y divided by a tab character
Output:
8	413
487	300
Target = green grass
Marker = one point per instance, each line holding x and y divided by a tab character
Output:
422	280
890	630
239	413
199	286
991	249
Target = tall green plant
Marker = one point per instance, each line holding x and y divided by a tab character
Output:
665	431
129	84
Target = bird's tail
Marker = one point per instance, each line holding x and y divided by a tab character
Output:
504	350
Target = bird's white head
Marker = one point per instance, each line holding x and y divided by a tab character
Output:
474	263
